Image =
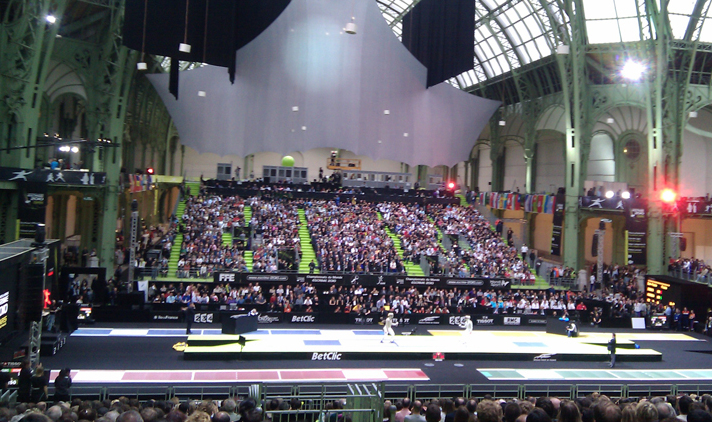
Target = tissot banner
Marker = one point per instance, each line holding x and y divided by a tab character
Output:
636	225
32	207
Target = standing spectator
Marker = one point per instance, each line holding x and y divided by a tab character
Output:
404	411
415	415
24	382
61	385
39	385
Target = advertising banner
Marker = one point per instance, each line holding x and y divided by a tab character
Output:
366	280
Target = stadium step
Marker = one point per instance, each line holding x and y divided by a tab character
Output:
175	255
248	260
194	188
247	211
440	236
464	244
463	200
227	239
410	268
308	253
177	242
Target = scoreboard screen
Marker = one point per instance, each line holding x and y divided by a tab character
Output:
677	293
655	291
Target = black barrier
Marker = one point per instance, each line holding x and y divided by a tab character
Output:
205	314
366	280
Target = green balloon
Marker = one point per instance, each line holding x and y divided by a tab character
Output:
287	161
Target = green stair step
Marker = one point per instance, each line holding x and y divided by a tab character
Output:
308	253
248	260
247	211
227	239
194	188
410	268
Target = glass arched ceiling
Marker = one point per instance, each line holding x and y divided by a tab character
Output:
508	34
513	33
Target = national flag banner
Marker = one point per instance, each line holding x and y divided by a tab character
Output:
549	208
502	202
518	202
540	203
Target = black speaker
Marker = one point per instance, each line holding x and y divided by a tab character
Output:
594	245
683	244
40	233
34	297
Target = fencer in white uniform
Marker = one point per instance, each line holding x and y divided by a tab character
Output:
467	325
388	325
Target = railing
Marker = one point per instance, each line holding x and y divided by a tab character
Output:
315	395
567	282
696	276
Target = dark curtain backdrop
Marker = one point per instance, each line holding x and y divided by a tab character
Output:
441	35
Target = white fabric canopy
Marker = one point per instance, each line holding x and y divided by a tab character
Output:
304	83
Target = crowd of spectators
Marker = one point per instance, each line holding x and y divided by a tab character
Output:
350	237
690	268
202	224
276	225
594	407
277	298
591	408
488	255
417	233
430	300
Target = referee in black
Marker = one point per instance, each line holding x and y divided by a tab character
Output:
189	316
612	349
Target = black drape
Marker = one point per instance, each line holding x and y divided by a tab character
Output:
441	35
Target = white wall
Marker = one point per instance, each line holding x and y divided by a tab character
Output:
484	175
196	164
601	159
206	164
515	168
694	177
550	163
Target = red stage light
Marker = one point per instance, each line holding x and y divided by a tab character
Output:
150	170
668	195
451	185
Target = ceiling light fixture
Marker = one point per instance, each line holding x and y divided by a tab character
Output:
142	64
51	19
350	27
184	47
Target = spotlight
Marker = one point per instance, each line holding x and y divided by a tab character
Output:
50	19
502	123
202	94
150	170
451	185
141	66
632	70
75	149
668	195
184	48
625	195
609	194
